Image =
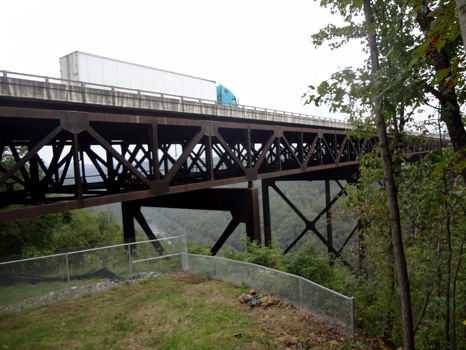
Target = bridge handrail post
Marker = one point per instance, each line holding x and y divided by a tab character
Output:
162	97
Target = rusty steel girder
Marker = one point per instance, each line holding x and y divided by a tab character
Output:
137	157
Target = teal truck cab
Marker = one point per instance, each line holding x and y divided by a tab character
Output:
226	97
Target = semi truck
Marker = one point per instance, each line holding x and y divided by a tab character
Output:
81	66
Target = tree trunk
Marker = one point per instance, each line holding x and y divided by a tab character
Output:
448	281
455	279
449	107
390	186
461	9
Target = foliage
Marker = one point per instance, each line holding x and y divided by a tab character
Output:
433	202
307	263
193	248
352	90
421	64
48	234
419	55
8	159
264	256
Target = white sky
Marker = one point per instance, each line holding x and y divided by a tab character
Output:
260	50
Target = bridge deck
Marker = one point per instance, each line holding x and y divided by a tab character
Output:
83	94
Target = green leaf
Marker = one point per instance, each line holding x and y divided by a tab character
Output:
440	75
323	87
339	93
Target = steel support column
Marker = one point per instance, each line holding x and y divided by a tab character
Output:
129	232
131	211
328	214
223	238
148	231
266	213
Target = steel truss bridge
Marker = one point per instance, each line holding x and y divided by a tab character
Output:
163	151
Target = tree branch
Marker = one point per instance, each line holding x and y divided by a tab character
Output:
435	92
424	308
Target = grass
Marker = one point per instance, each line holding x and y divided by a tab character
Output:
172	312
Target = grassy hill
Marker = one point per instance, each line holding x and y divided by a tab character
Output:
180	311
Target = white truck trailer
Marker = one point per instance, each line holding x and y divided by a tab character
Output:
81	66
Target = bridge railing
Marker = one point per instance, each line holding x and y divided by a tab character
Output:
37	281
182	99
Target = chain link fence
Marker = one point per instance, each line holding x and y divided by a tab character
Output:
38	281
324	304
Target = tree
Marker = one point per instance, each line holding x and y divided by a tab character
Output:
8	159
407	67
390	185
379	95
461	10
443	51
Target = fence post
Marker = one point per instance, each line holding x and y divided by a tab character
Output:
301	303
68	275
130	262
352	318
181	252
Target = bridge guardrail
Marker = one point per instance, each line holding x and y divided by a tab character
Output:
46	79
298	118
42	280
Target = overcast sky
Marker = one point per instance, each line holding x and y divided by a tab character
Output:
260	50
